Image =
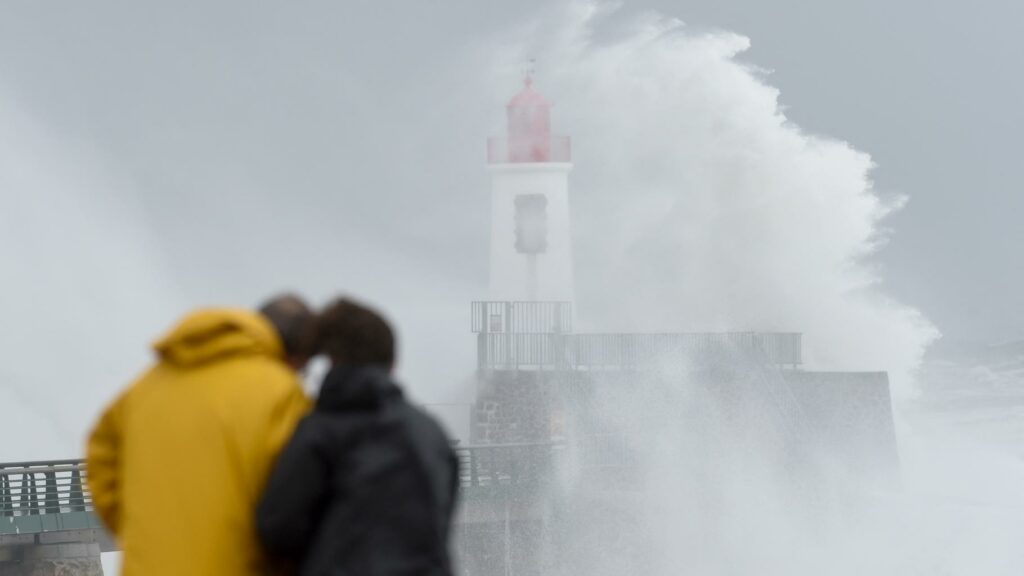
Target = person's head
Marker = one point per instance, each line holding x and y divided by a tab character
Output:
353	335
295	323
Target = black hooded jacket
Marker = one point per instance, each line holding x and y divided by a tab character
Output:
366	487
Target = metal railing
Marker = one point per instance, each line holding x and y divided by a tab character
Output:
504	150
38	488
521	317
517	351
641	350
59	487
491	465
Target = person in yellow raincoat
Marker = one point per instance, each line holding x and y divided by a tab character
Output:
177	463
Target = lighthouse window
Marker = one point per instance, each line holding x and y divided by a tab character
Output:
531	223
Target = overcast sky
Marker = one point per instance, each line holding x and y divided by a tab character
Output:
931	90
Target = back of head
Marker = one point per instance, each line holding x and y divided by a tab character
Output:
295	323
354	335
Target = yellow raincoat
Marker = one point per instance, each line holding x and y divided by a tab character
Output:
177	463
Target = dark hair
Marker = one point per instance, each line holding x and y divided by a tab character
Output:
353	335
295	324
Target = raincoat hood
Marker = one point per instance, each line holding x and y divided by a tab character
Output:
213	333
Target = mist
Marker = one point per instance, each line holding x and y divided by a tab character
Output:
223	172
83	278
702	208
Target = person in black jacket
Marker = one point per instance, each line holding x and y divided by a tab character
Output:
367	485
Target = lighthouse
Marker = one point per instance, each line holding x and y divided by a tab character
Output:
531	251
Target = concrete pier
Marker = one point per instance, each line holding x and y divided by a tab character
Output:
51	560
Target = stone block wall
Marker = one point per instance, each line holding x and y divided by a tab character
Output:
514	406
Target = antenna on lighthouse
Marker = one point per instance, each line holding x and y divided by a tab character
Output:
528	71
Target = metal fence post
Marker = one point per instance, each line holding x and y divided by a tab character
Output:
474	473
29	502
6	504
51	497
76	498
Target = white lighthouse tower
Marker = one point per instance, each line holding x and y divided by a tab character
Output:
531	251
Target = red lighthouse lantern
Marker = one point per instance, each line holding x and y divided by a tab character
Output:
529	126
